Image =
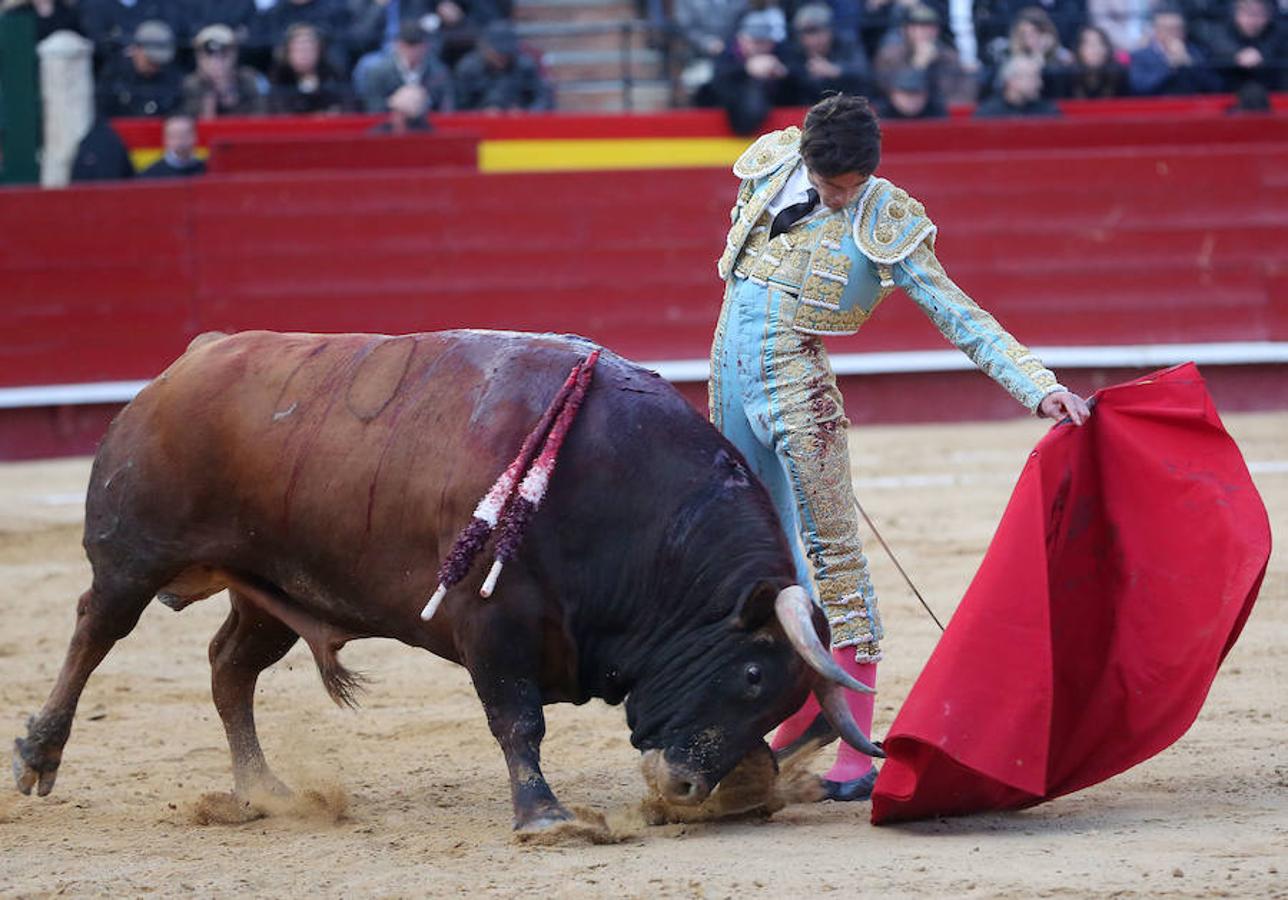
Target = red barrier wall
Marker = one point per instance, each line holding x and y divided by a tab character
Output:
300	153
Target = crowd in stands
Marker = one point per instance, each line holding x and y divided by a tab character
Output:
208	58
410	59
1010	57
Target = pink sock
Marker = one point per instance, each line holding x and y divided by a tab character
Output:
850	763
795	724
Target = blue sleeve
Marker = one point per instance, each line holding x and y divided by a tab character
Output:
973	330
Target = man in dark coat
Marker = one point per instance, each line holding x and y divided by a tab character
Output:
1249	46
820	61
496	75
145	81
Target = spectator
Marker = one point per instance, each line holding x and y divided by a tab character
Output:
303	80
1096	73
995	19
219	87
1169	63
1019	92
409	59
179	161
750	79
910	98
460	22
373	24
238	15
1123	20
880	21
917	45
328	18
819	61
496	76
706	27
1034	35
407	112
111	24
1250	46
145	81
1251	97
55	15
101	155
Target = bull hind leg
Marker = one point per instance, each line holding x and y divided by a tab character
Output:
103	616
246	644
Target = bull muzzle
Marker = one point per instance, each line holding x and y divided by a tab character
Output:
674	783
795	613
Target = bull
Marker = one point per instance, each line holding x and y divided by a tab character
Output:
320	479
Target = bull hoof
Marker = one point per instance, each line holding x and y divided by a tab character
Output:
581	826
26	773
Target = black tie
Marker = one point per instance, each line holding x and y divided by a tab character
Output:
790	215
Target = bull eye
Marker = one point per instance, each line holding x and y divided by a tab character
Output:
753	674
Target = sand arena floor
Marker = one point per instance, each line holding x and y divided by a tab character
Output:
409	795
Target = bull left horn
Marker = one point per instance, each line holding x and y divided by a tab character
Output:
795	612
837	712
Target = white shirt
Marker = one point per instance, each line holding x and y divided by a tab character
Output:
793	191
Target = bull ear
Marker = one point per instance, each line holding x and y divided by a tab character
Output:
756	606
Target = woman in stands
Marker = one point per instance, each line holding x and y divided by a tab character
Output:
302	81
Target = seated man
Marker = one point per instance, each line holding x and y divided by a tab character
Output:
910	98
145	81
407	107
1170	63
220	87
497	76
180	160
1019	93
409	59
820	61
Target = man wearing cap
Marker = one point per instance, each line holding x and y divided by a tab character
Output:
145	82
817	241
409	59
918	44
497	76
220	87
750	78
820	61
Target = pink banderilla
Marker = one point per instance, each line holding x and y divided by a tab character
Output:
510	504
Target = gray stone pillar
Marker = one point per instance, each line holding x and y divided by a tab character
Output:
67	94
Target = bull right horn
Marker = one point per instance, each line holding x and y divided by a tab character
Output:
795	612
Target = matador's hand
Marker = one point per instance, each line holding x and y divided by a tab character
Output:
1058	404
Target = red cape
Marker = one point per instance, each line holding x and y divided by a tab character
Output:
1123	569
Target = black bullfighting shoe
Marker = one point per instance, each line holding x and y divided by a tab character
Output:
856	789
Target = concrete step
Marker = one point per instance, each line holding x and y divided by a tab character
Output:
609	35
608	96
574	10
602	65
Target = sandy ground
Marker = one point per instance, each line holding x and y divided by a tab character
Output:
412	790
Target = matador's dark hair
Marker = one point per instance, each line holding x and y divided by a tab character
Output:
841	135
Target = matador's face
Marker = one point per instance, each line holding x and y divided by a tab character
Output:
838	191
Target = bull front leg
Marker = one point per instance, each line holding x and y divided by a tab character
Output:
514	714
504	675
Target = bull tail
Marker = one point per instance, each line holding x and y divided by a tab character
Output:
323	638
342	684
513	499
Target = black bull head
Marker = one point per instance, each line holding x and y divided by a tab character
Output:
737	690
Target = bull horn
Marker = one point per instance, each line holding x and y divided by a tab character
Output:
795	611
837	711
